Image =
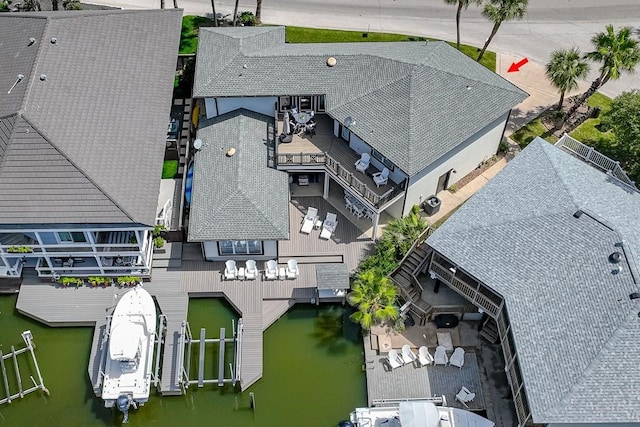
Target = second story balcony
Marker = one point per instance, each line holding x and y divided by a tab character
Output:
325	151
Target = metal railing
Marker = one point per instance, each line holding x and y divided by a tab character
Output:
593	157
164	218
340	173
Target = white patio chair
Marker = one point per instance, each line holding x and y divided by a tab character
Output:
424	357
250	270
394	360
464	396
309	220
381	178
292	269
440	357
363	162
407	355
329	226
271	270
230	270
457	358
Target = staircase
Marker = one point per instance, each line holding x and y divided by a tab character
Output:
489	330
405	276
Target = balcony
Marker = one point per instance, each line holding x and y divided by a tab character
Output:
326	152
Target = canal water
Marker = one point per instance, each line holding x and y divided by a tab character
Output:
312	374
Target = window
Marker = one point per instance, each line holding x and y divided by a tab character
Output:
240	247
382	159
305	103
71	237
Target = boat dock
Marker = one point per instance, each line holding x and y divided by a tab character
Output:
13	356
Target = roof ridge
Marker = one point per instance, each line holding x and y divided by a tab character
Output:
55	147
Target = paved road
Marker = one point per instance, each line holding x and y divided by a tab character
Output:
549	24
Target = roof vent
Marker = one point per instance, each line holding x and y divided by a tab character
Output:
244	66
578	214
231	151
19	78
32	40
43	77
54	40
331	61
634	295
615	257
197	144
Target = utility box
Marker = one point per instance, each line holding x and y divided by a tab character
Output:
431	206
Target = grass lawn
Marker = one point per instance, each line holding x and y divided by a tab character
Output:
169	169
587	132
190	25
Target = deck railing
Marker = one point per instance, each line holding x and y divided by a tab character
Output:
593	157
341	173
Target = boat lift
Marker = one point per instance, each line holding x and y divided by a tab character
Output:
234	368
30	346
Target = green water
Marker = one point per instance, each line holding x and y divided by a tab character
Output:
312	374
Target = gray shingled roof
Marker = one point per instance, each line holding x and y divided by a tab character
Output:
86	144
413	102
332	276
237	197
575	328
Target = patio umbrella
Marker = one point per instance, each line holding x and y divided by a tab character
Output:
287	124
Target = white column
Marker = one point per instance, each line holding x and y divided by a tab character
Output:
325	193
376	218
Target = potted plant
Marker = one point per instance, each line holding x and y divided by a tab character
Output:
73	281
128	280
158	242
12	249
24	249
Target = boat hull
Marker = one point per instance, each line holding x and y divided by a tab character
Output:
132	333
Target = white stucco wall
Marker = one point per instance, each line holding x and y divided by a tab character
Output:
270	247
464	158
260	104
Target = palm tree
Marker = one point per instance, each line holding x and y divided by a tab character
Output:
461	4
498	11
258	11
374	296
31	5
564	70
617	52
400	233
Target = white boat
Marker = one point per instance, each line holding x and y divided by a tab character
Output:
129	363
418	413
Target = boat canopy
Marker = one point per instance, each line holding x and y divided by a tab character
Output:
419	414
125	340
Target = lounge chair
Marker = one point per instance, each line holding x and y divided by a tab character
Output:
440	357
457	358
363	162
250	270
424	357
309	220
292	269
230	270
381	178
394	360
407	355
329	226
271	270
464	396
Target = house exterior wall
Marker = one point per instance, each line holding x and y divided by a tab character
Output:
464	158
210	252
106	251
260	104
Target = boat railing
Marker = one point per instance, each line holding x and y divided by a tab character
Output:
437	400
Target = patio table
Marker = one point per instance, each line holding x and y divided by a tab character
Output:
301	118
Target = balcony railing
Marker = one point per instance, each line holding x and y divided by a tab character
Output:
593	157
342	174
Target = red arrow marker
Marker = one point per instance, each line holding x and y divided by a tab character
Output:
515	66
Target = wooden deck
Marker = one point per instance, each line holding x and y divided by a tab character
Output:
348	241
408	381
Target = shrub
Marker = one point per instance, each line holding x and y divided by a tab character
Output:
158	242
247	19
129	280
74	281
158	229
